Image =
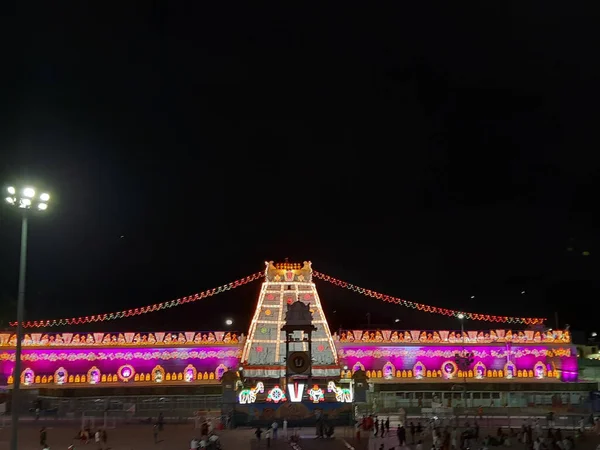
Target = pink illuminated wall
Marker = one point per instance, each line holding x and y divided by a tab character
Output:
108	360
562	359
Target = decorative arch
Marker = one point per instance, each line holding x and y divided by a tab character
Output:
158	374
419	370
449	369
510	370
61	376
189	373
357	366
126	372
94	376
480	370
220	370
27	377
389	370
539	370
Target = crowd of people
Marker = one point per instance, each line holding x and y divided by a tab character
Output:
448	437
84	436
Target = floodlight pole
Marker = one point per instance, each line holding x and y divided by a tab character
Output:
14	440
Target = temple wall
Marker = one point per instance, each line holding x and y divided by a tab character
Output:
206	363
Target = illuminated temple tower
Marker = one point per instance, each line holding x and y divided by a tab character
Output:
264	354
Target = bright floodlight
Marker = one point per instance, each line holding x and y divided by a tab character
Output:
27	198
594	334
461	316
229	322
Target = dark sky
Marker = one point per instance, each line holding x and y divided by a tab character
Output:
427	153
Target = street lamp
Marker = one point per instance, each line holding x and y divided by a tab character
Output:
25	198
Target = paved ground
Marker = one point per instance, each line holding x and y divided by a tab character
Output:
134	437
589	442
138	437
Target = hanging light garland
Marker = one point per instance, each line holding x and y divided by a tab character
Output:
243	281
427	308
144	309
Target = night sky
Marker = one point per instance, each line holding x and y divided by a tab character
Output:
428	153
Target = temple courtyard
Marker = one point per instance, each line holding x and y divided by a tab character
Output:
140	436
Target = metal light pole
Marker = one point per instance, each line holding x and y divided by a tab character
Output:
464	360
22	199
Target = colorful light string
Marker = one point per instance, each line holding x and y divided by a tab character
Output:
142	310
428	308
243	281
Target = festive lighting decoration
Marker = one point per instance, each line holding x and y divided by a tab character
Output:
316	394
281	272
479	370
27	377
452	337
158	374
126	372
296	391
539	370
485	361
220	370
142	310
343	395
116	355
276	395
264	352
389	370
449	369
510	370
419	370
189	373
248	396
448	352
60	376
130	339
427	308
94	375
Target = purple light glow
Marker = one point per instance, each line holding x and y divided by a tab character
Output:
108	360
436	357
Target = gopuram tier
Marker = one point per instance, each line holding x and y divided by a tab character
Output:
288	287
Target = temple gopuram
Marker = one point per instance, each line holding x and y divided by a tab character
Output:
289	362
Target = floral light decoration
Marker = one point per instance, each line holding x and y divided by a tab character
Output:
419	370
27	377
316	394
539	370
220	370
510	370
126	372
276	395
358	366
189	374
479	370
60	375
449	369
158	374
94	375
389	370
